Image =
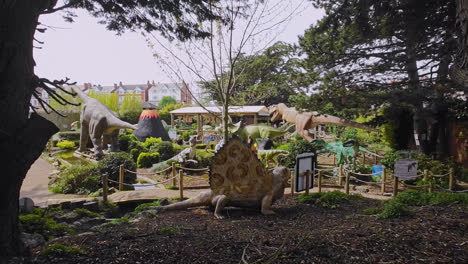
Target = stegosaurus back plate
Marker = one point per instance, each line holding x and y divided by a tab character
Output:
236	172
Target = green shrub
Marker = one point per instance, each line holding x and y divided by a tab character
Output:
327	199
125	140
146	160
204	158
186	134
120	220
151	141
62	250
394	209
419	198
47	227
200	146
165	150
136	151
69	135
110	165
66	144
80	179
177	148
295	148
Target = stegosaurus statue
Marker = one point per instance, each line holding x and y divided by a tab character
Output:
238	178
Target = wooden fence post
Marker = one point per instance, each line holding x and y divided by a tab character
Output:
174	181
384	179
340	175
320	181
307	182
181	184
452	180
104	187
347	182
292	183
363	158
121	177
431	184
395	186
426	180
334	159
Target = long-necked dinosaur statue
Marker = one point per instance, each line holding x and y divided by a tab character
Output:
238	178
258	131
98	121
308	120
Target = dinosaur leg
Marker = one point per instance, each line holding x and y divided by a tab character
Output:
266	205
114	137
220	201
105	141
84	134
97	127
305	135
202	199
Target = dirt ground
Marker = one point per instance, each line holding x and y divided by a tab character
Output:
298	233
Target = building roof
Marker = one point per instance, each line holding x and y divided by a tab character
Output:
148	105
251	109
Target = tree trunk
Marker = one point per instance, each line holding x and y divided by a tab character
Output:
459	70
22	138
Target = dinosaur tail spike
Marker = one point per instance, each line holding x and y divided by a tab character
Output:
333	120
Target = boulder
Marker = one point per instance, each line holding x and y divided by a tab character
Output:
26	205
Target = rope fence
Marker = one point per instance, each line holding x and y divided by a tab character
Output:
341	172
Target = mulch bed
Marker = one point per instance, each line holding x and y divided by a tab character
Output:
298	233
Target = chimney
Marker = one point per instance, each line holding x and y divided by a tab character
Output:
120	84
153	83
115	86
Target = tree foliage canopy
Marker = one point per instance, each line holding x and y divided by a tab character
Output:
265	79
166	100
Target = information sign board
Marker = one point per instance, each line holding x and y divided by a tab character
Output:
305	167
406	169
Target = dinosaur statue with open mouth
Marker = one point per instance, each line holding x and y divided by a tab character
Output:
308	120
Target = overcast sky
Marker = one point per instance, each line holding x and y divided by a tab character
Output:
85	51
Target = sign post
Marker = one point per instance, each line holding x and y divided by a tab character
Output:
304	172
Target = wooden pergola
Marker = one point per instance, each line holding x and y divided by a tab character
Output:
212	114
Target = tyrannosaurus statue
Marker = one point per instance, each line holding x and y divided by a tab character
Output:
308	120
98	121
238	178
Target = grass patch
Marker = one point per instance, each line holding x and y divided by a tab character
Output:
372	211
171	187
328	199
143	207
120	220
82	212
62	250
47	227
419	198
168	230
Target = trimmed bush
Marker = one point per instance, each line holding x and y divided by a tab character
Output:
110	165
125	140
200	146
136	149
80	179
327	199
146	160
66	144
165	150
295	148
186	134
394	209
151	141
69	135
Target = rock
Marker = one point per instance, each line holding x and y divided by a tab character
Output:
76	204
92	206
163	202
86	223
364	188
69	217
26	205
66	205
32	240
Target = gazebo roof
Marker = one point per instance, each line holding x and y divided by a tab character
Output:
251	109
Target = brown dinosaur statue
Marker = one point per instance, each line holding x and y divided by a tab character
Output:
99	123
308	120
238	178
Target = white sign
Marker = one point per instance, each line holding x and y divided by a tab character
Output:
305	165
406	169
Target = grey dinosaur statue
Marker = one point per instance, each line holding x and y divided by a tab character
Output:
238	178
308	120
99	123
